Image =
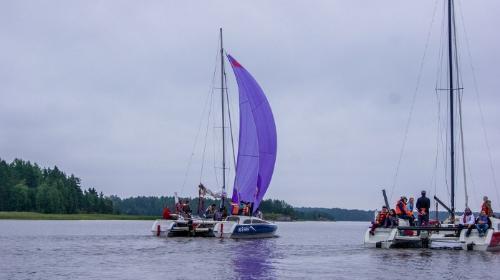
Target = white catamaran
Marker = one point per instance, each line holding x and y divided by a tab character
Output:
448	233
255	162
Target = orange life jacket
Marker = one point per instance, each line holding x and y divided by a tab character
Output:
381	217
486	208
235	209
401	208
246	210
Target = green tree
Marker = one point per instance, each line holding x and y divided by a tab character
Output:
19	199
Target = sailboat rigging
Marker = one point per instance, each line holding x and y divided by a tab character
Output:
449	232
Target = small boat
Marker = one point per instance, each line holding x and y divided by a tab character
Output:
448	234
244	227
255	160
256	157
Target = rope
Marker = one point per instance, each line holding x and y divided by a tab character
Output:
478	101
206	133
198	133
412	106
463	149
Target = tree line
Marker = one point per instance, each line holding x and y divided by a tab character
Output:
28	187
25	186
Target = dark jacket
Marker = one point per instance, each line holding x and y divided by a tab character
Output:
423	202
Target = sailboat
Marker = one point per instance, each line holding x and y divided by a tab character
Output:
255	161
254	166
449	233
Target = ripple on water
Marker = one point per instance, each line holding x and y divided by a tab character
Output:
126	250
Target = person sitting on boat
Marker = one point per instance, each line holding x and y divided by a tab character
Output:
259	214
224	212
178	207
166	213
402	210
482	223
218	215
246	209
235	208
468	221
380	220
209	213
423	205
391	219
486	207
186	209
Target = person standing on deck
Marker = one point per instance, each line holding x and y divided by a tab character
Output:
486	207
411	204
423	206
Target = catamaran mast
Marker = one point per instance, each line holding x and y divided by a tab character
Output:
450	70
223	120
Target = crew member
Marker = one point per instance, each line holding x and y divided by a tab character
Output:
380	220
402	210
423	205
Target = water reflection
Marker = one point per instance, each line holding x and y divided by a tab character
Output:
252	259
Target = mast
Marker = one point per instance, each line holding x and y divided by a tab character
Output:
450	70
223	120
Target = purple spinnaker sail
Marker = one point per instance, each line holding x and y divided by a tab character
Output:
257	140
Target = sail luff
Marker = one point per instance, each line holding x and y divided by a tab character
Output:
252	97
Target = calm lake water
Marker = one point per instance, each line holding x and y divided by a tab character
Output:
126	250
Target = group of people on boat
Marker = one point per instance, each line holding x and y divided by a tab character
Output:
482	223
245	209
405	209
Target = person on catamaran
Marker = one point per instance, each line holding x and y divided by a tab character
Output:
166	213
411	204
402	211
186	209
246	209
380	220
210	212
468	221
259	214
224	212
486	207
178	207
391	220
482	223
423	205
235	208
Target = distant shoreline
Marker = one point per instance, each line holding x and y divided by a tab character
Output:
5	215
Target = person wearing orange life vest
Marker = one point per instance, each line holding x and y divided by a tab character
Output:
166	213
235	208
486	207
380	220
402	211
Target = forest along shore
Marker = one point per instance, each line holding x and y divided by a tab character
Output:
7	215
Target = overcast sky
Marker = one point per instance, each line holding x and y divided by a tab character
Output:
114	91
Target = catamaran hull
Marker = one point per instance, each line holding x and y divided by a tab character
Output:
489	242
182	228
237	230
161	227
